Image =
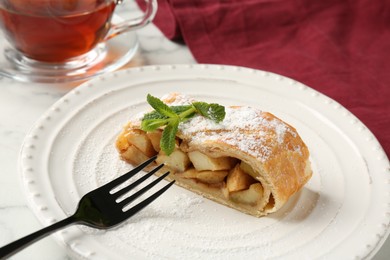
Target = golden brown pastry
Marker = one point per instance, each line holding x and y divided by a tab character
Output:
251	161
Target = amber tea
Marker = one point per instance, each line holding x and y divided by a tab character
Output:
55	30
57	41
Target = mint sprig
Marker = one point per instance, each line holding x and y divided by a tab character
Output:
172	116
212	111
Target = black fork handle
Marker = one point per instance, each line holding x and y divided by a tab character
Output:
18	245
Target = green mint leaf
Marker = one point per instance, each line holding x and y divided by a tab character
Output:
217	112
211	111
172	116
168	138
153	115
184	112
180	109
150	125
201	108
160	106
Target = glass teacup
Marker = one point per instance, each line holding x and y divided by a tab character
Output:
60	40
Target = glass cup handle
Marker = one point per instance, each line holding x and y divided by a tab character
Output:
133	24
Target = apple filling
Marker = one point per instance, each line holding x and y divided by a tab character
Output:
226	178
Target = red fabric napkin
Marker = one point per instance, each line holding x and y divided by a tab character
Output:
340	48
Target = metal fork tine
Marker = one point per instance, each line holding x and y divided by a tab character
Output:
137	182
126	201
147	201
118	181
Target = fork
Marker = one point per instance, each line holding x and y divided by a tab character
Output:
100	208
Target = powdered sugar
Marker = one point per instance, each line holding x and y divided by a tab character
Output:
183	205
250	129
175	99
253	131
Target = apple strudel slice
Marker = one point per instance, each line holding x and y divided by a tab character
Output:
251	161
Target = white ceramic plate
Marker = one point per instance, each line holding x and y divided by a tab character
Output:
342	213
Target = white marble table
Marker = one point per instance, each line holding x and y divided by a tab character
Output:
21	104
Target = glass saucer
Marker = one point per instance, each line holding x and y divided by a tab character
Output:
106	57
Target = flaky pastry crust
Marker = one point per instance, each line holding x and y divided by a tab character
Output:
276	154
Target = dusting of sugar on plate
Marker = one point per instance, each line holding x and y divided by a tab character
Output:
181	224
